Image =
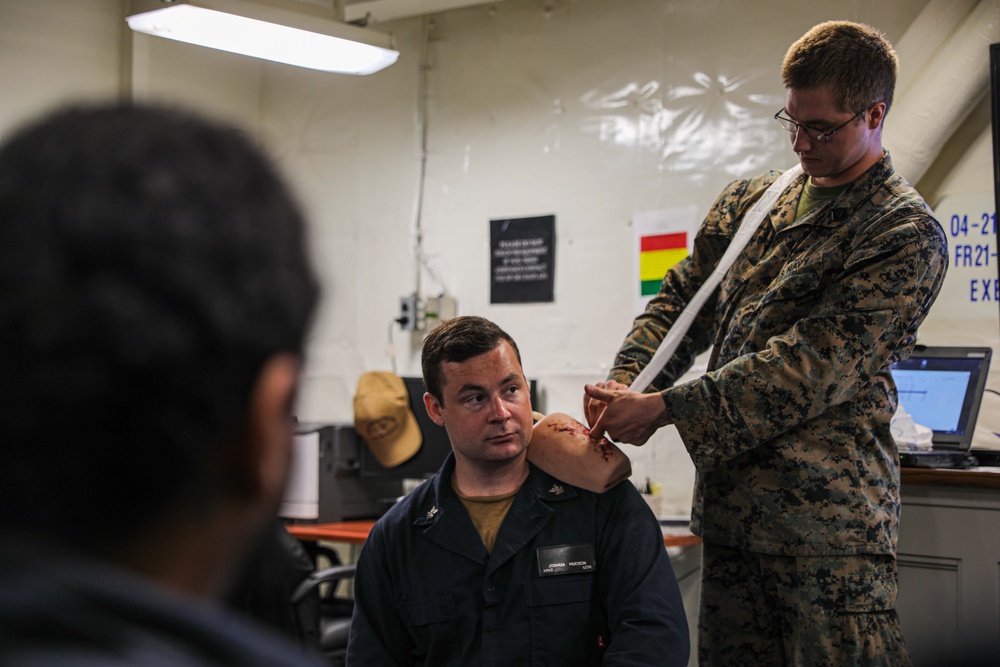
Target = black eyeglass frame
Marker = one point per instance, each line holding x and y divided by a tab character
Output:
792	127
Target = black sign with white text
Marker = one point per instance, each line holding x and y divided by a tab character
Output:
522	260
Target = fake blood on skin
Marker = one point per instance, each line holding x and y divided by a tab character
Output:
601	444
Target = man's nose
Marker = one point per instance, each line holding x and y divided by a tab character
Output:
498	409
800	140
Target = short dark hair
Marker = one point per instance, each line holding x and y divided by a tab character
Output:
856	59
456	340
151	261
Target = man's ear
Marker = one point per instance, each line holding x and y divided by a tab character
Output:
270	431
877	115
434	409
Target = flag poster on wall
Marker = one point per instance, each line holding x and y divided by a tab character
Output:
522	259
662	238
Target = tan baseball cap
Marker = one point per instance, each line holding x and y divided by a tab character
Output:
382	417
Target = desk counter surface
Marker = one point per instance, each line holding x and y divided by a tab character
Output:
352	532
982	478
356	532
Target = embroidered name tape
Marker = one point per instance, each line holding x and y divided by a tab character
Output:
566	559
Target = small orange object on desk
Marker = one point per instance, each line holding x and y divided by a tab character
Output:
681	540
356	532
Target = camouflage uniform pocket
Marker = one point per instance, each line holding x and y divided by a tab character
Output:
848	613
852	584
869	592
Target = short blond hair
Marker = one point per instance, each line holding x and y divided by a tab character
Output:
856	59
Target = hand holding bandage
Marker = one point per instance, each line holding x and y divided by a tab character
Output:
625	415
629	415
594	407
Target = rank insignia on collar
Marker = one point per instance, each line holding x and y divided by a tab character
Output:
557	489
431	512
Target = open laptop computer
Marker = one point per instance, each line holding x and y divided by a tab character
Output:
942	388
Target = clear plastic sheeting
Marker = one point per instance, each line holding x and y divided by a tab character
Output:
713	123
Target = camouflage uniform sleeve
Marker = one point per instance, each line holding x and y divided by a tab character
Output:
679	287
863	316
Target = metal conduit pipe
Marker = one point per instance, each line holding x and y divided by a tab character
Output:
379	11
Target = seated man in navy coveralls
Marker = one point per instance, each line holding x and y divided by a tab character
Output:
494	562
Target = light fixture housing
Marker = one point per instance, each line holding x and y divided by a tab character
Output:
266	31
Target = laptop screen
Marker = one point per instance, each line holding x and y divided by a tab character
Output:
942	388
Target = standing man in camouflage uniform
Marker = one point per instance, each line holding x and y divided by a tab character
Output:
797	497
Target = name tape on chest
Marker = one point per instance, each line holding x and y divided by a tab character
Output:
566	559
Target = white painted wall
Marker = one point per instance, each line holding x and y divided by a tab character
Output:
53	51
590	110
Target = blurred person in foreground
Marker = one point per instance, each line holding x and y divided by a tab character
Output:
493	561
155	294
797	491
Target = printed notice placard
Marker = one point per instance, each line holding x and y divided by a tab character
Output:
970	290
522	259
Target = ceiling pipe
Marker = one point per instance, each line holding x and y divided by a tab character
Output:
950	41
379	11
928	33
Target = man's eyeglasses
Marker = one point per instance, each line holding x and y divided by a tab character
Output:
815	134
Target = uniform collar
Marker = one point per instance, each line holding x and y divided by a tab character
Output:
833	213
442	499
549	489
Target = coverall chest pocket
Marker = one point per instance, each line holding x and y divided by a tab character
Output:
567	626
433	622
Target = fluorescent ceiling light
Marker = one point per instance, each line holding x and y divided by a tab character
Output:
304	41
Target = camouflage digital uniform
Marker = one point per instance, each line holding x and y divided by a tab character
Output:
789	428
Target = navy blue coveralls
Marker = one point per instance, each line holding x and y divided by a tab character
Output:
428	593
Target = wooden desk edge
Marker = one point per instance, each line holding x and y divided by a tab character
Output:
356	532
686	540
983	479
353	532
